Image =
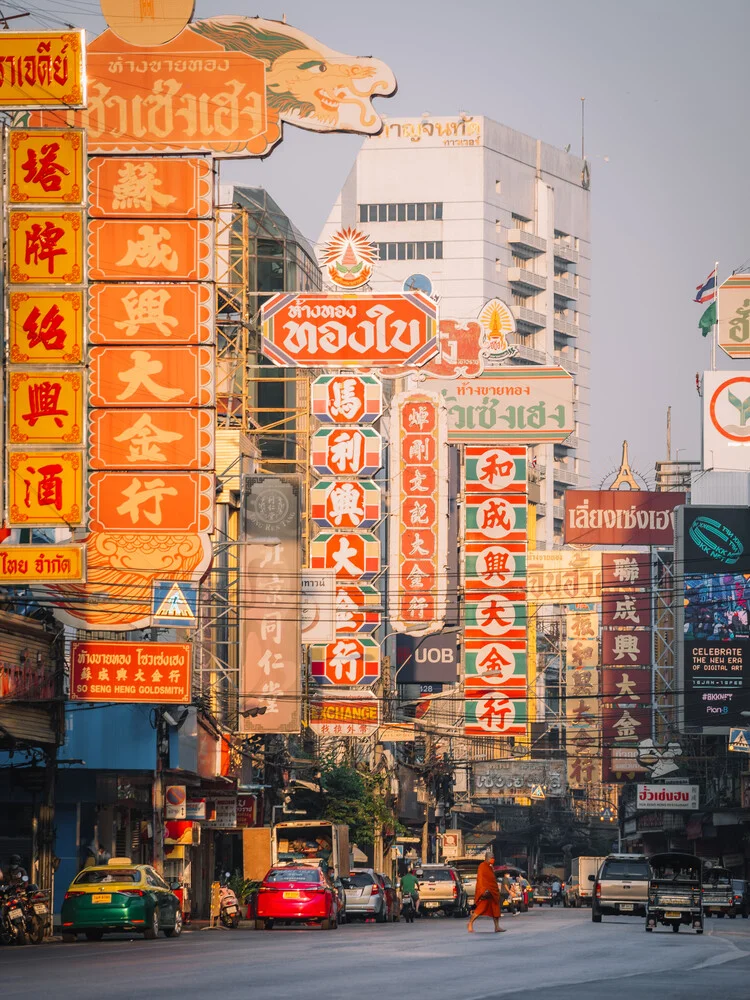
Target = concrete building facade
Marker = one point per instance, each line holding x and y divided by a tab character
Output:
483	211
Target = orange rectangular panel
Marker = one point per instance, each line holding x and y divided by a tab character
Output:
156	187
151	439
45	166
45	248
151	314
46	328
151	376
45	488
45	407
151	501
150	250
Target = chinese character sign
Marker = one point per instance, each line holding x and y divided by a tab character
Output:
495	591
419	532
45	166
131	672
270	629
46	328
45	248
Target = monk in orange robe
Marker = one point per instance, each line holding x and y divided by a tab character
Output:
486	895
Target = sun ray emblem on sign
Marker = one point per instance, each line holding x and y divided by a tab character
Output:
348	258
497	322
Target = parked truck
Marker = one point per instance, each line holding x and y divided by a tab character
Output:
299	840
579	889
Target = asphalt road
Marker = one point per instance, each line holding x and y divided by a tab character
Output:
546	953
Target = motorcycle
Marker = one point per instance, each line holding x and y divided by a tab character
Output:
36	912
407	908
229	907
12	919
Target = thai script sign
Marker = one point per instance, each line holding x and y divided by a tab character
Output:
734	316
224	84
667	797
463	131
562	577
419	536
45	166
620	517
346	399
42	69
270	628
158	673
322	331
23	564
318	608
498	779
726	420
349	715
526	405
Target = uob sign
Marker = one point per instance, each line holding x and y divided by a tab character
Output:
432	659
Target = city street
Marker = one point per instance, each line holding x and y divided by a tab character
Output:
545	953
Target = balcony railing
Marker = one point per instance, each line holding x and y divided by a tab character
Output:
566	328
530	241
531	354
566	477
564	252
527	278
529	316
558	512
565	289
570	442
567	362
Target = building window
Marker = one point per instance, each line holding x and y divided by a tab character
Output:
418	250
498	187
522	262
412	211
520	222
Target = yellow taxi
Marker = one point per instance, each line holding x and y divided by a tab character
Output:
119	896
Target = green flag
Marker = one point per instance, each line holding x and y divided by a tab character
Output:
708	319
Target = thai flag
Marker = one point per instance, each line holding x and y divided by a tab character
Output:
707	291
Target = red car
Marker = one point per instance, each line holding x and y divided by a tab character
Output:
296	894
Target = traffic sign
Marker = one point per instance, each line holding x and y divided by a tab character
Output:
739	740
175	604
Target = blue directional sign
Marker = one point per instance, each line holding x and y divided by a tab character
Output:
739	740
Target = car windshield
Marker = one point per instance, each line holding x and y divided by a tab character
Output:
358	880
96	876
626	869
309	875
738	886
437	875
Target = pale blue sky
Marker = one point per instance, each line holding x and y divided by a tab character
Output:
666	87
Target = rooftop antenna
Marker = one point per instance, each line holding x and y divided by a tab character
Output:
669	433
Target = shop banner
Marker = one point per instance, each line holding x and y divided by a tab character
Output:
620	517
42	69
346	715
131	672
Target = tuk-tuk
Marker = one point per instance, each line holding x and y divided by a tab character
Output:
718	893
675	892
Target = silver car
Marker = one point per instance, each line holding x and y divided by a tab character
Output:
365	895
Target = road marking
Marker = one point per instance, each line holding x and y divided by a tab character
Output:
732	954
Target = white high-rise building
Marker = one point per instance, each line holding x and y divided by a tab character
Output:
483	212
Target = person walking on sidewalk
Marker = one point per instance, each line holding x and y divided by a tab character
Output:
486	895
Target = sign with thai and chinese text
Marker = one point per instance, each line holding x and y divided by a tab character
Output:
159	673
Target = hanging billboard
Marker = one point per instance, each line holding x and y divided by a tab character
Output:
42	69
734	316
726	420
620	517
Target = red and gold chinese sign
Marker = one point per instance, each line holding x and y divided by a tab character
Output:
46	377
151	387
343	503
131	672
583	696
495	589
42	69
419	535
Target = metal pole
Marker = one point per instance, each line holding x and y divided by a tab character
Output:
715	330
